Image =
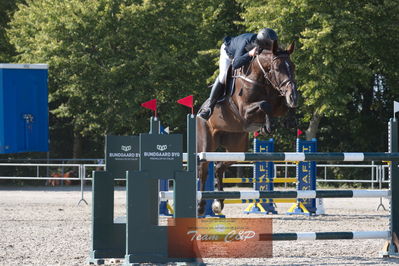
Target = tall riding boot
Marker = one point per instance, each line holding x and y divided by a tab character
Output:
207	109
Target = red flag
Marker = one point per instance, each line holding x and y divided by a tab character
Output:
187	101
152	104
298	132
256	134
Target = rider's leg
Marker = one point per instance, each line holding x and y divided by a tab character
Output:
207	110
218	86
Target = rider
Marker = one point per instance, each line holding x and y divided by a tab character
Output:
236	51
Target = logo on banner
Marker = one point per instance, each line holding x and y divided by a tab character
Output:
162	147
126	148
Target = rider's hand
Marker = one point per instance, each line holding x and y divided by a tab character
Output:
252	52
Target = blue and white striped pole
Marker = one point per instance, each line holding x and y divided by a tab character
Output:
298	156
293	194
326	235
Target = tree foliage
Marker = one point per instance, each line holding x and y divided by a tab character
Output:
7	7
345	62
106	57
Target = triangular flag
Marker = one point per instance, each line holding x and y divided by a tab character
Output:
152	104
298	132
164	130
187	101
395	107
256	133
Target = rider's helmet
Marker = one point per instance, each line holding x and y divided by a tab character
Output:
265	38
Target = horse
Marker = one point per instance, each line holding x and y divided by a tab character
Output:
264	89
57	182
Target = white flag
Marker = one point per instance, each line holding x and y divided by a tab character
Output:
395	107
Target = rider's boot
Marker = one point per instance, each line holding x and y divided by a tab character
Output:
207	110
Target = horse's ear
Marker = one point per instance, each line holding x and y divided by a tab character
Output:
291	48
275	47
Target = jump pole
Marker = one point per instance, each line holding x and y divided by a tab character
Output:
289	194
391	248
299	156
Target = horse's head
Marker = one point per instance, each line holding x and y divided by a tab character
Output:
279	71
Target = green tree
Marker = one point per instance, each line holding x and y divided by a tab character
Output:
7	7
108	56
345	49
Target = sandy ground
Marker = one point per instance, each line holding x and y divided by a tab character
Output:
45	226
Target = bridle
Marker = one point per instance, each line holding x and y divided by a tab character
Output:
269	74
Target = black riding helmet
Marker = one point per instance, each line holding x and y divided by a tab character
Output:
265	38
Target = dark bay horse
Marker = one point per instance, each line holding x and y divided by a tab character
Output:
266	90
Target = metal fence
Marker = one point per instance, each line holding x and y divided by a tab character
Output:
378	173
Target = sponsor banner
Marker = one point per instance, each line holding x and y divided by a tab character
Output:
220	238
122	154
161	154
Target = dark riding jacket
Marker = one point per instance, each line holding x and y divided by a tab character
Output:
236	48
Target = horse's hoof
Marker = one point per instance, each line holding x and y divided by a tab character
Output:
268	124
216	207
268	129
265	130
201	211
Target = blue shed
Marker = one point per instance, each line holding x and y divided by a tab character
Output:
23	108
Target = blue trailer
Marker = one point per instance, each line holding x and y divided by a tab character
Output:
23	108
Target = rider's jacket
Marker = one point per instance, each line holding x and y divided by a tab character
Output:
237	48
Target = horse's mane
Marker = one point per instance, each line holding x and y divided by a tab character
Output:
250	46
280	51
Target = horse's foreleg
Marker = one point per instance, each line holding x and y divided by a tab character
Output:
268	126
290	120
258	107
202	174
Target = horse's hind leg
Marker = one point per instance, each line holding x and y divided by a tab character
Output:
232	142
202	174
205	143
220	168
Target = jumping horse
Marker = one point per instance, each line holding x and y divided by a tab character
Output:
264	89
